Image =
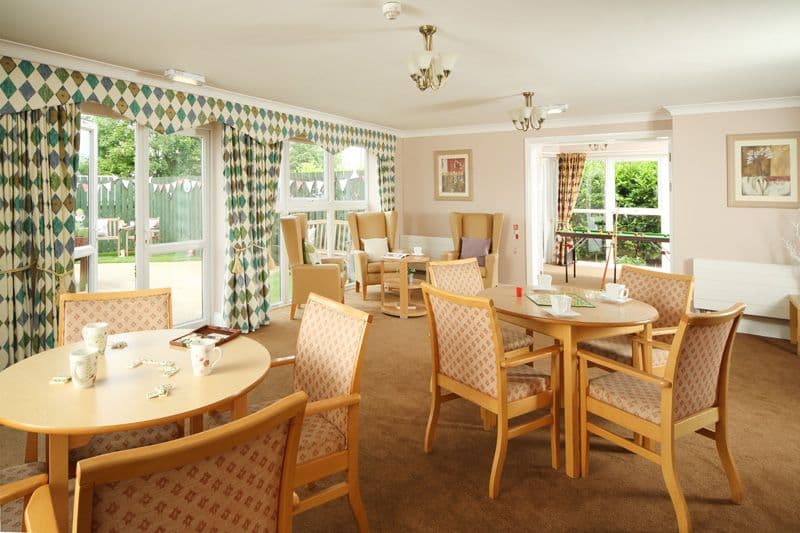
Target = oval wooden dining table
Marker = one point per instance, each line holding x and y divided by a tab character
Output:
70	416
604	320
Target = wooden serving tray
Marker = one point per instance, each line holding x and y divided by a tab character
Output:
220	335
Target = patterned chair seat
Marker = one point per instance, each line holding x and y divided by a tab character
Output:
123	440
524	381
632	395
620	349
514	337
11	512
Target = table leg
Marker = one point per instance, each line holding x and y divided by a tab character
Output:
195	424
58	473
403	271
793	333
239	407
572	446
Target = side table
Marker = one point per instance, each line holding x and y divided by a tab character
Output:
398	281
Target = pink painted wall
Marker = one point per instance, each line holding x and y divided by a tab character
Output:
702	224
499	184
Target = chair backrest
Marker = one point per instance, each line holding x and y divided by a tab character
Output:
476	226
107	227
699	360
294	230
375	225
465	339
462	276
124	311
238	476
670	294
330	348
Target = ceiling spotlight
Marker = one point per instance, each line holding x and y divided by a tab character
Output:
184	77
391	10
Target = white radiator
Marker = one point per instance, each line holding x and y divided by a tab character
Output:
762	287
433	247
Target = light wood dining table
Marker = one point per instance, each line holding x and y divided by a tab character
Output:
70	416
604	320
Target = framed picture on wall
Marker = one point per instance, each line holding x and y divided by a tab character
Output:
763	170
452	174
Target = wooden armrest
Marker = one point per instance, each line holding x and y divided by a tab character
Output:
40	515
654	344
524	356
282	361
329	404
21	488
610	364
665	331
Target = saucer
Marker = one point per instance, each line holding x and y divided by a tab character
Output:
544	289
570	314
608	298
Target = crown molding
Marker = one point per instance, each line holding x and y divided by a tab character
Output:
736	105
549	124
68	61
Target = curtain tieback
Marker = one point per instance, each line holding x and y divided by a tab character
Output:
238	250
62	278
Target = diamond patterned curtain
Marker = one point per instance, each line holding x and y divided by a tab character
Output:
387	183
251	173
570	173
38	162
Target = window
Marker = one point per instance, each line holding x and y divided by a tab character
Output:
326	187
636	192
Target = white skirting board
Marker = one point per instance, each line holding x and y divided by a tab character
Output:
762	287
433	247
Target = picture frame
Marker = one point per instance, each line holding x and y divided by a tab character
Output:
763	170
452	175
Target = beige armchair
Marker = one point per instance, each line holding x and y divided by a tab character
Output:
371	226
327	278
478	226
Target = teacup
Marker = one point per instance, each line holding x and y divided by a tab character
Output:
83	367
417	250
617	291
95	335
544	281
561	304
201	351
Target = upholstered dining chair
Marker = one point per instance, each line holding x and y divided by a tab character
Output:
671	295
236	477
124	311
17	483
478	227
327	277
469	361
327	366
379	225
692	395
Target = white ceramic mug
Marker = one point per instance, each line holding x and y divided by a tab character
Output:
561	304
418	250
83	367
201	351
617	291
544	281
95	335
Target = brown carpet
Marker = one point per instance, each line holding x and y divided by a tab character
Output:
406	490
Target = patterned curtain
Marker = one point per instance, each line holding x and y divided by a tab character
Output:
251	173
387	183
38	163
570	171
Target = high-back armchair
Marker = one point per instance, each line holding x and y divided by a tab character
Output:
482	226
378	225
326	278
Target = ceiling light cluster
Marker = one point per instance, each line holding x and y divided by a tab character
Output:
427	69
531	117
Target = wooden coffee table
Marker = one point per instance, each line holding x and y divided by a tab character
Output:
398	282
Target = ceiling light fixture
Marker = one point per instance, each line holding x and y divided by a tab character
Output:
184	77
600	147
531	117
429	70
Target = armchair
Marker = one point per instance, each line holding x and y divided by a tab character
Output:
478	226
327	278
371	226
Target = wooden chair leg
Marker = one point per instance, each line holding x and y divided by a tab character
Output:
488	418
354	499
433	417
364	291
499	456
292	311
358	286
555	411
673	487
725	457
31	447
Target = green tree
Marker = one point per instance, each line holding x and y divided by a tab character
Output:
637	183
116	148
592	193
175	155
304	158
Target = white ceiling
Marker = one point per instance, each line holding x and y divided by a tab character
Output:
343	57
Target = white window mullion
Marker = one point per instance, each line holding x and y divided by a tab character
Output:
142	208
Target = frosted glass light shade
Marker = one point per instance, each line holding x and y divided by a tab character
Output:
424	59
448	61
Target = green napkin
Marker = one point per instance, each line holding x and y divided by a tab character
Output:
544	300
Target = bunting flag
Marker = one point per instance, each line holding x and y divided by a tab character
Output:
342	183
